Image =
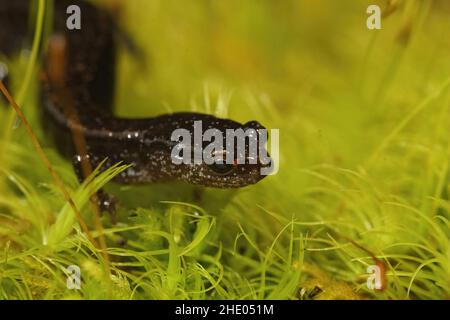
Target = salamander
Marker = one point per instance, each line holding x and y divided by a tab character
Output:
87	85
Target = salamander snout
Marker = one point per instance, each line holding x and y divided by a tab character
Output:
240	160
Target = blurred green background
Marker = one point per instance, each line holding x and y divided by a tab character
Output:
363	118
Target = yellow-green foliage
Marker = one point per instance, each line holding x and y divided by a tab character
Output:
364	141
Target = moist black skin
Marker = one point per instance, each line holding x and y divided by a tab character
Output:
89	81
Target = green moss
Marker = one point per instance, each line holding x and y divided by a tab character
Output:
363	118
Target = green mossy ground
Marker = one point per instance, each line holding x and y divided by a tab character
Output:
364	155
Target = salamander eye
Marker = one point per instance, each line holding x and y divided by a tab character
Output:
222	168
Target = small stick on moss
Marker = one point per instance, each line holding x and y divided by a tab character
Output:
378	262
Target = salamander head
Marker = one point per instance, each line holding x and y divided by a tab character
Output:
229	155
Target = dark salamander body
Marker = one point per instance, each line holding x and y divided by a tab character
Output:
86	59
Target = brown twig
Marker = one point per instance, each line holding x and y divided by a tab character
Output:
378	262
47	163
